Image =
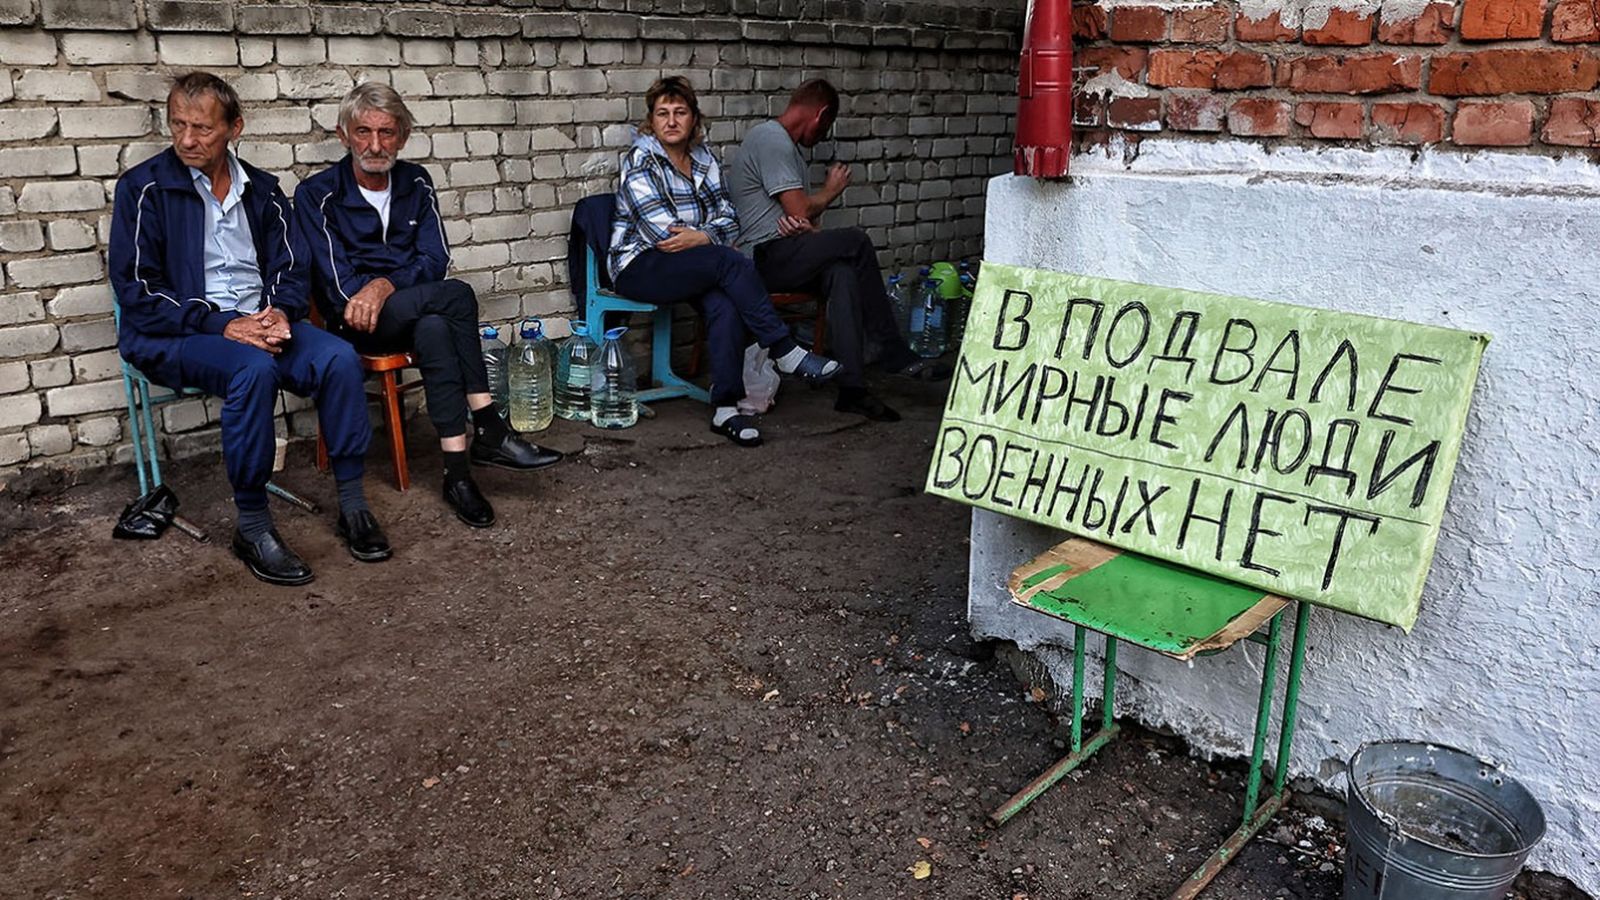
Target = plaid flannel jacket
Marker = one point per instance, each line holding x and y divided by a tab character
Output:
652	195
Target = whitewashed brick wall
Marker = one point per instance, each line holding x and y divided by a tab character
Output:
522	107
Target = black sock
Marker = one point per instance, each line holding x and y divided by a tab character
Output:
488	425
455	465
781	346
352	497
255	523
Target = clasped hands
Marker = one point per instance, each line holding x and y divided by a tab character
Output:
265	330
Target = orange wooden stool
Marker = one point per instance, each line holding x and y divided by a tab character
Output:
387	367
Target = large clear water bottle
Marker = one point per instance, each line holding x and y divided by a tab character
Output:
615	401
496	361
899	302
574	372
532	381
927	327
545	343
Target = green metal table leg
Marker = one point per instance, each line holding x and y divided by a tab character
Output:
1291	697
1108	696
1256	817
1055	773
1230	848
1269	679
1077	687
1081	749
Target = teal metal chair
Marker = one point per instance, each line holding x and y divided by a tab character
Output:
591	224
598	301
143	396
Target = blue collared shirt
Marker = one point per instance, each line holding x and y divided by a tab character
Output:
233	278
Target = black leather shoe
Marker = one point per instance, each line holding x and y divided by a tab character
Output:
361	534
512	452
271	560
469	503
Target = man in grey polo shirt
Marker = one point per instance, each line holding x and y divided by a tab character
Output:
778	222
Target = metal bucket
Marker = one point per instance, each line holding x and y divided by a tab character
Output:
1433	823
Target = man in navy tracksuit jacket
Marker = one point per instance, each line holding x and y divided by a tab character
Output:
210	275
379	261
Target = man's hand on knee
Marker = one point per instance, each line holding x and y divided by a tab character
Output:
251	330
361	313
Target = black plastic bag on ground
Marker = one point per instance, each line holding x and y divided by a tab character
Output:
147	517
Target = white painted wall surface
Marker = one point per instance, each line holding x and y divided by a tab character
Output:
1505	659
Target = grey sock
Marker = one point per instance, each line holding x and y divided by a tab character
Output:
254	523
352	497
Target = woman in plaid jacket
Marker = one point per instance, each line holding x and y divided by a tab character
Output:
672	240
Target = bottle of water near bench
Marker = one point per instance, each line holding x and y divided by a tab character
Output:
899	302
532	382
575	373
927	327
615	401
496	360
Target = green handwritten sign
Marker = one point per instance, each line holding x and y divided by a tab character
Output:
1303	451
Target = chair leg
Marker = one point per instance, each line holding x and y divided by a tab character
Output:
397	437
323	464
698	349
136	433
661	346
152	452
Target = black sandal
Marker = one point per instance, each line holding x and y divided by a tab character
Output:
733	429
815	369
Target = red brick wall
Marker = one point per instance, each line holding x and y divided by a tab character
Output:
1469	73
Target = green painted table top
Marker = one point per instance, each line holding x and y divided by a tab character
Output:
1164	607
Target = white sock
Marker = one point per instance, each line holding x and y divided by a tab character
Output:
790	361
724	413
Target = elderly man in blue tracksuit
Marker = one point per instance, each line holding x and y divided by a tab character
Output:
210	275
379	264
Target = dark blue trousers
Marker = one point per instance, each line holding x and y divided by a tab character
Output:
730	295
313	364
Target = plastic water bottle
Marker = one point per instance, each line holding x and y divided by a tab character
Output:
928	338
899	302
963	307
496	359
615	400
545	344
531	380
574	368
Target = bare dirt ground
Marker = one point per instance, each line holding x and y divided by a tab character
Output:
675	668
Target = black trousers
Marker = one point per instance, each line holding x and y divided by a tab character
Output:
438	324
842	265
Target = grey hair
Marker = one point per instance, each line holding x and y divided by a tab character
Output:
374	96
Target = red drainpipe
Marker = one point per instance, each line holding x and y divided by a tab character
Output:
1044	91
